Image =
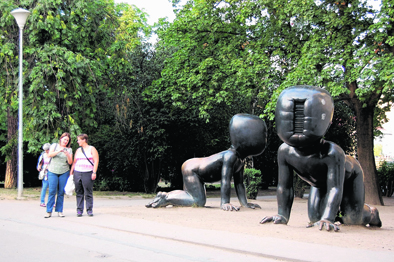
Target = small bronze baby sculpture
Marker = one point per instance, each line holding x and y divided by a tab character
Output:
248	135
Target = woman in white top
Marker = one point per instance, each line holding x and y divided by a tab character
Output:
84	169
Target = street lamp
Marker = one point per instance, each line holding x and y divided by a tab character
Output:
20	17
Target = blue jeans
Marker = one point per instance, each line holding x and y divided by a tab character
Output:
45	185
56	183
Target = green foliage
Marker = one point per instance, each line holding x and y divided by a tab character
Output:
154	138
227	50
343	128
346	49
131	125
386	178
214	62
136	125
70	49
147	111
252	182
113	184
234	52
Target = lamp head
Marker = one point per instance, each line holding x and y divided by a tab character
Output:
20	15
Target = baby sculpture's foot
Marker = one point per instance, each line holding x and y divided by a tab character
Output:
375	219
158	201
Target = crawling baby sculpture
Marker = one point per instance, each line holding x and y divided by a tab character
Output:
303	115
248	135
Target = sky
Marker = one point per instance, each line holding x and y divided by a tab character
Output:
163	8
154	8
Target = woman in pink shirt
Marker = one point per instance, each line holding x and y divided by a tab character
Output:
84	169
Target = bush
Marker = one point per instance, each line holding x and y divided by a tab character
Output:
252	182
112	184
386	178
299	186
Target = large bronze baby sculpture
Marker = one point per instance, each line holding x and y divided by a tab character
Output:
303	115
248	135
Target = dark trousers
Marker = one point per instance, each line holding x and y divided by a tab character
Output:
84	190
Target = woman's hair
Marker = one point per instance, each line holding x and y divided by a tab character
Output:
69	138
83	137
46	146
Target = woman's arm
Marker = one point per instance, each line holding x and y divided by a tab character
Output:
73	166
96	162
52	151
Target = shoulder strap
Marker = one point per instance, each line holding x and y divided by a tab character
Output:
86	156
40	159
50	159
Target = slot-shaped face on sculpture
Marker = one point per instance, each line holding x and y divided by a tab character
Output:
248	134
303	115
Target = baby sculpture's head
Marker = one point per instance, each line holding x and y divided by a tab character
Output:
303	115
248	135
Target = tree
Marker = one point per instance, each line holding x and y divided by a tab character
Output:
350	52
232	49
131	125
69	48
215	60
224	63
154	138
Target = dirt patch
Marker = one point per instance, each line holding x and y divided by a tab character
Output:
246	221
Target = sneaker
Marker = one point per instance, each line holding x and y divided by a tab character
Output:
79	214
60	214
43	205
90	213
48	215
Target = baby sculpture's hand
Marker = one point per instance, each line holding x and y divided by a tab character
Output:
324	223
277	219
252	206
229	207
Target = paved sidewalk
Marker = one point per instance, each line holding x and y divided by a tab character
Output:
25	235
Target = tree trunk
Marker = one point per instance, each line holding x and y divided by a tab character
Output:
11	169
365	154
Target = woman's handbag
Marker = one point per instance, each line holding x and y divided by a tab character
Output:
70	186
42	174
41	162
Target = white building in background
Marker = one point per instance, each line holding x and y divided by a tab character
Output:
386	141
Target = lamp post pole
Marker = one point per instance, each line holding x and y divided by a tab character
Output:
20	17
